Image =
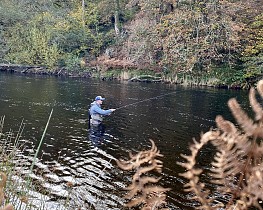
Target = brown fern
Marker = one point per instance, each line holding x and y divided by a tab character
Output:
237	166
143	189
2	195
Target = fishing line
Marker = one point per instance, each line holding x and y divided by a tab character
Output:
148	99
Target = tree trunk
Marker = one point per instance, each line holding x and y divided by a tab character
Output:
117	18
83	14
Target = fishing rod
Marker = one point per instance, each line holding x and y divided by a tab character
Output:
148	99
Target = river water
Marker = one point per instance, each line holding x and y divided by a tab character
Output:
171	117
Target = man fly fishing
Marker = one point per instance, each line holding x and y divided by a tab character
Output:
97	113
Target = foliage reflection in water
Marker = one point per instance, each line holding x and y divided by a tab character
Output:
68	155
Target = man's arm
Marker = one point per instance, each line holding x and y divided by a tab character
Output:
102	111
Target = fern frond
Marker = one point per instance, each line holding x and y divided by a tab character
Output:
241	117
134	202
224	125
255	105
143	191
260	88
237	167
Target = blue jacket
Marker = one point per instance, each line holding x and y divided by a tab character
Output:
96	113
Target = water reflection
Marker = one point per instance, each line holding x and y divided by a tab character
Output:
73	153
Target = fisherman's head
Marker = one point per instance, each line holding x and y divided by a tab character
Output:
99	99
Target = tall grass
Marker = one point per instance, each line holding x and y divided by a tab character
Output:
19	188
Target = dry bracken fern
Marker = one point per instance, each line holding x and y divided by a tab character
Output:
143	189
237	165
3	180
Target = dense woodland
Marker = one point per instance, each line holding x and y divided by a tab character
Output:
221	40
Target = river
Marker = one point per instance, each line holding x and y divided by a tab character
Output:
168	114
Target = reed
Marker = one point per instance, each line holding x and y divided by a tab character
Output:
2	119
40	143
16	186
8	151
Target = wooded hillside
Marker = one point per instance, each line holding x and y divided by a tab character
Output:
221	39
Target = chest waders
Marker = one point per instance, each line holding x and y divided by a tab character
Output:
96	119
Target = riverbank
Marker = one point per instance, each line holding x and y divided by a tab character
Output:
91	72
25	69
131	75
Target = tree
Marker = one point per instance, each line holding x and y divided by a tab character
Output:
253	53
117	18
32	43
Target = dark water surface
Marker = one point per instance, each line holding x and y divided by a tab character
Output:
70	154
